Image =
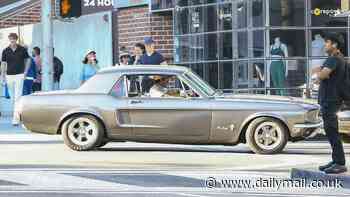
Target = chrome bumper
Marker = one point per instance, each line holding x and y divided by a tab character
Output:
308	125
307	130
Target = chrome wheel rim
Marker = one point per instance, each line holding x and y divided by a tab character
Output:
82	131
268	135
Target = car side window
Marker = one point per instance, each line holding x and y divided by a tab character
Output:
119	89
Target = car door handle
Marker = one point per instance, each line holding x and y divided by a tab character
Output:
135	101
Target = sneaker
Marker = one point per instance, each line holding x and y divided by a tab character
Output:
336	169
323	167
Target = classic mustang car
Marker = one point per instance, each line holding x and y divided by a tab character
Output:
119	104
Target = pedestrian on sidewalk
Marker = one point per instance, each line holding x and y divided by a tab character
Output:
124	57
57	71
139	50
330	76
151	57
29	78
18	62
90	66
38	64
5	89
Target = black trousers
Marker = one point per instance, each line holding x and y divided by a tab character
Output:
330	120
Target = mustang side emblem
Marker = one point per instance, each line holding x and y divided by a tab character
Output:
230	127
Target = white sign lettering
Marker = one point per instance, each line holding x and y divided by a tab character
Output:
98	3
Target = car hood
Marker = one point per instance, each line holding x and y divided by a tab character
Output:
268	98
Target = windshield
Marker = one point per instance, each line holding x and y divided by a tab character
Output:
200	83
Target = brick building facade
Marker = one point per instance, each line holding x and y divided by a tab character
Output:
137	22
23	14
130	25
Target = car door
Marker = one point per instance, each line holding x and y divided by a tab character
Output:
168	119
119	117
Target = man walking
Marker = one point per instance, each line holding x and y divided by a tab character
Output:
330	76
18	61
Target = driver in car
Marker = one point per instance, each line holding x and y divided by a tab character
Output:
159	89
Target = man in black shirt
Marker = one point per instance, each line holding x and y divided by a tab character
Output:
330	76
15	57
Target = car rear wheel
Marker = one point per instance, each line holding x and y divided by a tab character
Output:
83	132
266	136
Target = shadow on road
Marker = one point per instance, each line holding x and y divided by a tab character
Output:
288	151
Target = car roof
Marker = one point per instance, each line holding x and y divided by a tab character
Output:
144	68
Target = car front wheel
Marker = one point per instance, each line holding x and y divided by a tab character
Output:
83	132
266	136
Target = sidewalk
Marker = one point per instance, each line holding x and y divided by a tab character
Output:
6	126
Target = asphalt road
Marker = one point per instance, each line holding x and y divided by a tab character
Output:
40	165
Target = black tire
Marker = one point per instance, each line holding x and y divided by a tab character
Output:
97	132
254	127
103	143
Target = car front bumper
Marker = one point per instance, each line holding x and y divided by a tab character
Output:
306	130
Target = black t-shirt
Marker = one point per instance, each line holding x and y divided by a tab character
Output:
155	59
15	59
328	90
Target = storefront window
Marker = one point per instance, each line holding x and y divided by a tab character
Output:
241	79
198	68
242	44
287	12
287	43
203	19
258	13
258	78
322	12
203	47
252	55
196	49
241	14
208	72
162	4
258	43
210	47
182	49
181	21
225	17
317	41
225	45
196	2
285	74
226	75
211	72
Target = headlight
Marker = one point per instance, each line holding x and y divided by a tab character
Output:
312	116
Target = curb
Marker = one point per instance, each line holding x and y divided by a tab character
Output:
309	176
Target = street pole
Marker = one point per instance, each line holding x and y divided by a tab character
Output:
47	52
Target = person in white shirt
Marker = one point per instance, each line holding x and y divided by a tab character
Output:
159	89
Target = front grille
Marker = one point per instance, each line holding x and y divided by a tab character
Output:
312	116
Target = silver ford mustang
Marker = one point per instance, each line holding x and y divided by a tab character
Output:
116	105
